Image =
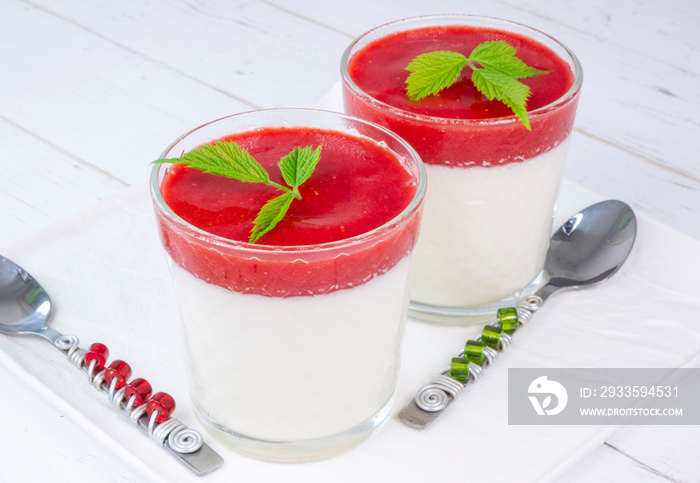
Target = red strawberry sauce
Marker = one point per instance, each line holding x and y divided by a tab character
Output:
439	132
357	186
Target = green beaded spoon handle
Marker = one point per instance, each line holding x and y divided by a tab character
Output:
588	249
469	365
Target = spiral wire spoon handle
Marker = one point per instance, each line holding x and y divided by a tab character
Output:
468	366
149	412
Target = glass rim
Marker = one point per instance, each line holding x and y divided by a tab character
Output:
419	175
412	23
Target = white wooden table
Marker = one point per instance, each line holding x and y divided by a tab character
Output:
92	91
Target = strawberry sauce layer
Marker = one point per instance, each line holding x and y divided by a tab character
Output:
357	187
435	126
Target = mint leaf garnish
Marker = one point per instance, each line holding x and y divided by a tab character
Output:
499	55
496	74
270	214
230	160
495	85
298	165
224	159
433	72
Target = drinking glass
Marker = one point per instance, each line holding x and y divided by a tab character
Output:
309	368
492	184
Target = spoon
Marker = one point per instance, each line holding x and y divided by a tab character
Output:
25	309
586	250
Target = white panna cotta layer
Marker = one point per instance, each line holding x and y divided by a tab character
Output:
485	229
289	369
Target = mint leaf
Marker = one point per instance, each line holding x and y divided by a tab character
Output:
496	74
491	51
223	159
270	214
495	85
433	72
230	160
298	165
499	55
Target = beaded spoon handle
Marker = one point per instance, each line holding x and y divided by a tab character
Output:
25	308
433	398
150	412
588	249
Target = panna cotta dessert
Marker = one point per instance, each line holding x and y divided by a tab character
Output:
492	182
294	341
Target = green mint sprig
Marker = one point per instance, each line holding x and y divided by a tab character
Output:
230	160
495	73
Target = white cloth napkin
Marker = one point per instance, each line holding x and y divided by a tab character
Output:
107	276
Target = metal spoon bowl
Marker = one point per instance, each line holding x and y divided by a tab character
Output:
590	247
25	307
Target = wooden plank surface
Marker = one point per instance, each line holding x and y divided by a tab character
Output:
137	60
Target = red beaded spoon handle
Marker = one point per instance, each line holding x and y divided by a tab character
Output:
150	412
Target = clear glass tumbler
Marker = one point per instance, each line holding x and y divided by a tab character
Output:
492	184
304	373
